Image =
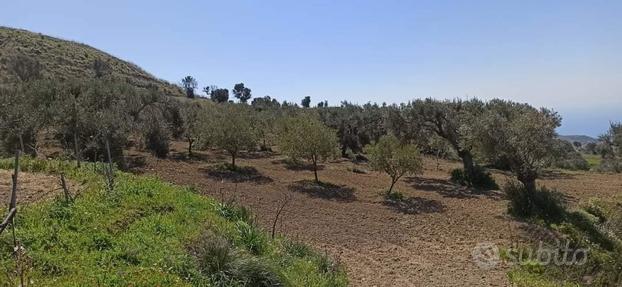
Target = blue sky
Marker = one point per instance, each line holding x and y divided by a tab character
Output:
560	54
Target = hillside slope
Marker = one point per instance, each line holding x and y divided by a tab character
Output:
64	59
578	138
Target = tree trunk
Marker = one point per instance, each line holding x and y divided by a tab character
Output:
21	143
393	181
233	160
190	142
528	179
467	163
315	170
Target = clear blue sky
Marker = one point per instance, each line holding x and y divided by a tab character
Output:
566	55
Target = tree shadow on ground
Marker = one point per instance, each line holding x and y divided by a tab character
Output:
256	154
237	175
415	205
555	174
324	190
296	165
195	157
446	188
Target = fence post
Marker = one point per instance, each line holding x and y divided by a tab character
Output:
110	168
13	202
63	184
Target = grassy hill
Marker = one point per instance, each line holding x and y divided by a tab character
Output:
64	59
149	233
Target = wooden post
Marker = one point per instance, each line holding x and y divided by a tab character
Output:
13	202
110	168
63	184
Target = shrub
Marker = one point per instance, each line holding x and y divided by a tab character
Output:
481	179
394	196
157	138
610	165
572	161
543	203
219	260
214	254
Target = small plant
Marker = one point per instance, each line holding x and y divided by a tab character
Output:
251	237
395	196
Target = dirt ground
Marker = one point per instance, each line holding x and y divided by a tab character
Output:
425	241
32	187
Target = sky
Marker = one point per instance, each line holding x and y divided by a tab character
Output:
564	55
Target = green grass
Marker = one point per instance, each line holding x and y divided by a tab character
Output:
140	235
592	159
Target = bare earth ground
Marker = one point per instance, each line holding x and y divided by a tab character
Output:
427	242
31	187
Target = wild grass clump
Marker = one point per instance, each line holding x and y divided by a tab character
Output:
225	266
481	179
543	204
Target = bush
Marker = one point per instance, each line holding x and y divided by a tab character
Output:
394	196
610	165
482	179
572	161
157	138
544	204
219	260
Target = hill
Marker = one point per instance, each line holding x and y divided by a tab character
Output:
578	138
62	59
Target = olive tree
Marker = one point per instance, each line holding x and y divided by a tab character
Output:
610	148
190	114
521	135
308	138
232	129
450	120
394	158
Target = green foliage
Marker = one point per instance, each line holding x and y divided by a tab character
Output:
189	84
588	228
232	128
306	102
307	138
544	204
394	158
149	233
610	149
566	157
219	95
480	178
157	137
241	92
519	134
